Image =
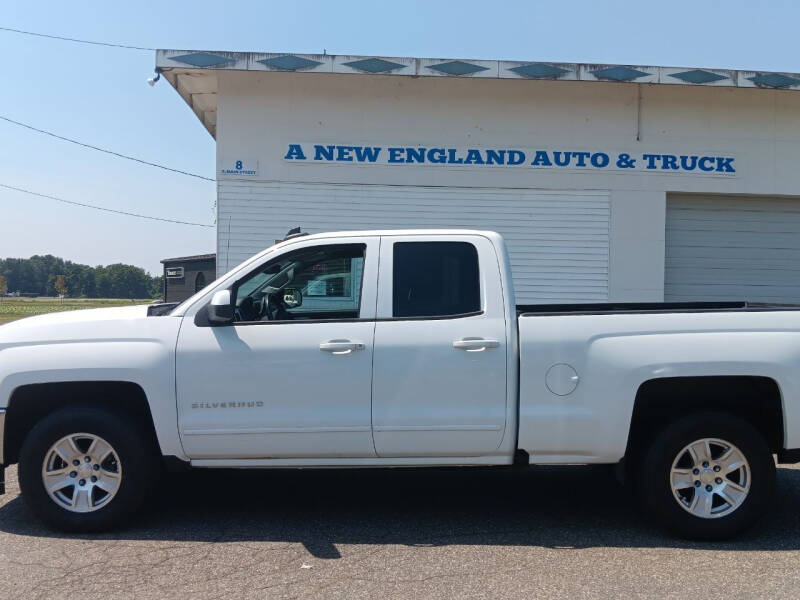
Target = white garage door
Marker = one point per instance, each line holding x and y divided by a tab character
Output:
558	242
722	248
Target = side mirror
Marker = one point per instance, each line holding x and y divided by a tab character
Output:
293	297
220	310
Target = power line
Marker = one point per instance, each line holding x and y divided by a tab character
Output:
117	154
103	208
77	41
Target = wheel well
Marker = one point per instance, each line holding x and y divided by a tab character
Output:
661	401
31	403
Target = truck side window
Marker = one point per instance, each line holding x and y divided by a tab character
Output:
435	279
321	282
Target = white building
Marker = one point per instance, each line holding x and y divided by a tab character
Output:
610	183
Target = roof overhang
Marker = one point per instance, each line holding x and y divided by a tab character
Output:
193	72
194	258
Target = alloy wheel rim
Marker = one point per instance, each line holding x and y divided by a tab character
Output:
81	472
710	478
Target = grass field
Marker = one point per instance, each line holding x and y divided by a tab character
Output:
12	309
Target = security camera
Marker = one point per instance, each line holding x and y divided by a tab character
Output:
151	81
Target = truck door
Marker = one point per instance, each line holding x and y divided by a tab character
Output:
439	369
291	377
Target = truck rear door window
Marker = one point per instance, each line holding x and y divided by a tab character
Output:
435	279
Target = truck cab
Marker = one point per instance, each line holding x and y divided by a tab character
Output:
412	364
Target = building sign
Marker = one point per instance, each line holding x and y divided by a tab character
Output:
238	167
544	158
174	272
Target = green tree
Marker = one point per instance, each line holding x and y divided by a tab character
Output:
3	287
38	275
157	287
123	281
61	286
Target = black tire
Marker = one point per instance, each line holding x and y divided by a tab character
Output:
137	455
654	489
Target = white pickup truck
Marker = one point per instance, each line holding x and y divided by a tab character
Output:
399	349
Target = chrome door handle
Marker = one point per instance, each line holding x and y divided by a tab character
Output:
340	346
475	344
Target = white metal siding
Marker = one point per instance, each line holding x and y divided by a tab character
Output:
723	248
558	242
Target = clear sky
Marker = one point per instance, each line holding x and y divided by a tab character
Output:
98	95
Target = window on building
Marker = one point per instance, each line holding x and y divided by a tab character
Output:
199	282
322	282
435	279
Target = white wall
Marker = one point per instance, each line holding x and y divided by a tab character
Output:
260	113
636	256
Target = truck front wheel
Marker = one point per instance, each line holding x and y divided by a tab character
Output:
708	476
85	469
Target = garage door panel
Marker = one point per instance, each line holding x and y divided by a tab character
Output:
543	221
700	267
723	293
558	242
735	213
726	249
735	256
763	240
774	277
738	203
721	227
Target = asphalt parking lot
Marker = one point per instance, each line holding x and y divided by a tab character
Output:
540	533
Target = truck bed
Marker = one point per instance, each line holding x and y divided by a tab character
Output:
581	370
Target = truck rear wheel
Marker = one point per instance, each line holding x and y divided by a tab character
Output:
84	469
708	476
